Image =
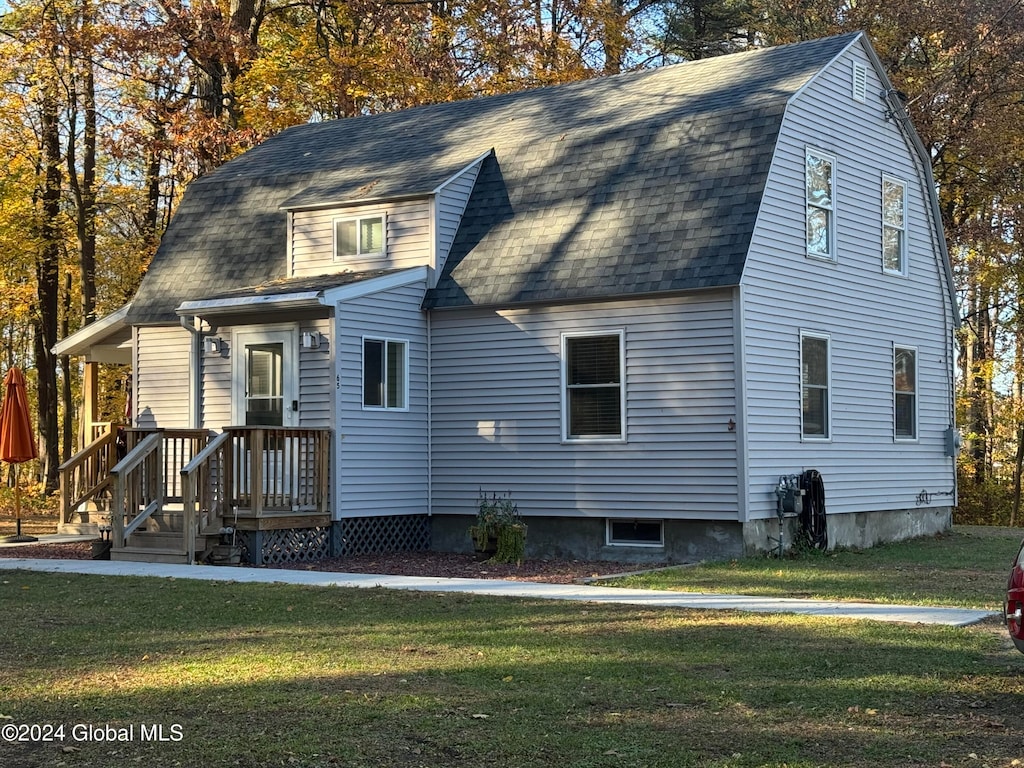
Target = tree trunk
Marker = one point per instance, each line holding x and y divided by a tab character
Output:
68	443
1018	410
48	287
982	360
87	207
614	36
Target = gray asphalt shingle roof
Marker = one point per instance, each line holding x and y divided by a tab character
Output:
623	185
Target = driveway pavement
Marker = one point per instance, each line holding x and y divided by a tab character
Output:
911	614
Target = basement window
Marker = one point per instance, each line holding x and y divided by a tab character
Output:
635	533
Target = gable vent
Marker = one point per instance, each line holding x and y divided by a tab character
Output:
860	81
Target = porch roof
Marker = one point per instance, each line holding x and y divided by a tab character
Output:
107	340
296	293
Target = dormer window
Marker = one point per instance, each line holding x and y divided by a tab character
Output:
359	236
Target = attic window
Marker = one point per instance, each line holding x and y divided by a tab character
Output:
860	81
359	236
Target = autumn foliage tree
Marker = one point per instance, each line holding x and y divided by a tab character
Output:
110	109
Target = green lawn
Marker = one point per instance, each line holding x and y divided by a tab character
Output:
967	567
266	675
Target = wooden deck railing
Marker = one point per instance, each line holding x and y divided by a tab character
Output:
179	448
206	490
255	470
138	488
281	469
85	477
149	475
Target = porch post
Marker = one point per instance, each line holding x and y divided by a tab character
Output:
90	403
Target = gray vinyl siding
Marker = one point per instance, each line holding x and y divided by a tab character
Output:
496	403
217	395
863	309
316	377
382	464
451	204
161	378
407	240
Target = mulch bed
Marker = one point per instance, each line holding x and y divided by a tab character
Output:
79	550
449	565
430	564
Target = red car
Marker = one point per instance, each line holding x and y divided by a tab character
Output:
1013	610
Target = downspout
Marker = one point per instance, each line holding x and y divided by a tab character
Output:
430	419
195	360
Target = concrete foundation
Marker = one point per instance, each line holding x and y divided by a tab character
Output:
688	541
564	538
857	530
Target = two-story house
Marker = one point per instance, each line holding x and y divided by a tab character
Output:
637	303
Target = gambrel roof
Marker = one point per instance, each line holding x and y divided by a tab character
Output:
625	185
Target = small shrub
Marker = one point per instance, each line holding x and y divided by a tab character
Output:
498	520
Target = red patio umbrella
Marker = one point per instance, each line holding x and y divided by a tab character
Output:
17	444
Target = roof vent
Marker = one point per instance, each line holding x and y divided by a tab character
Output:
860	81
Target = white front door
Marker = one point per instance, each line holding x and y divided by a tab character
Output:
265	377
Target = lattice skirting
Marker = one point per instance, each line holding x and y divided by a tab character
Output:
289	545
351	536
376	535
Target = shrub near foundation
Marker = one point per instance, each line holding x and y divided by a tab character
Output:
499	531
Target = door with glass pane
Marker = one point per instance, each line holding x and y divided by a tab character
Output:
265	378
265	391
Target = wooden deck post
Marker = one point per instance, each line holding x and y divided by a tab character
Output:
65	498
117	515
256	471
323	464
188	501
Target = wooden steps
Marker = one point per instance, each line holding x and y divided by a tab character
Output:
157	547
149	555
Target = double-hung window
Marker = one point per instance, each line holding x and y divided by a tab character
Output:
593	398
385	373
814	389
359	236
904	376
894	226
820	177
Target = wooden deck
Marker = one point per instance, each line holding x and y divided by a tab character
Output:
169	497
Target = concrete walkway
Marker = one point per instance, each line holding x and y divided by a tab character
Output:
911	614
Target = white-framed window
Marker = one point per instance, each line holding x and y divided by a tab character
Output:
359	236
634	533
815	385
385	373
820	177
593	386
894	226
904	381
